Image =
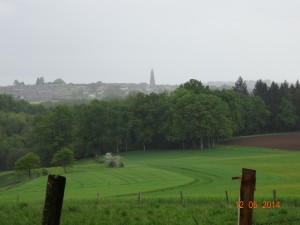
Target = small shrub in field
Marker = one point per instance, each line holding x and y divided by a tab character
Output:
98	159
44	172
113	161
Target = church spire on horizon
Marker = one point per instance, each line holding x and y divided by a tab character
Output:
152	79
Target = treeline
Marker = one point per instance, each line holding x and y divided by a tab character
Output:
16	118
193	116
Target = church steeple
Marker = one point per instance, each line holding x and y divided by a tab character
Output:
152	80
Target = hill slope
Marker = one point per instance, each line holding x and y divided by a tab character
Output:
286	141
165	173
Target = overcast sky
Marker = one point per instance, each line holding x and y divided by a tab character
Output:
122	40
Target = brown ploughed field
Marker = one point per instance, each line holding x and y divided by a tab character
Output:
287	141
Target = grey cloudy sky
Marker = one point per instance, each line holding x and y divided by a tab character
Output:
122	40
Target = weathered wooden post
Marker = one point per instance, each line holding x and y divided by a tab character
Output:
54	199
181	196
139	198
274	195
226	193
246	200
98	198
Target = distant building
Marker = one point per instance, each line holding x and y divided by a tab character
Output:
152	80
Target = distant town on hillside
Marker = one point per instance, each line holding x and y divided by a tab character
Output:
59	90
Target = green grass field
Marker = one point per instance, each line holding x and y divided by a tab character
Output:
202	175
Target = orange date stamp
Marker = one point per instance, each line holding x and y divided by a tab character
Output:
255	204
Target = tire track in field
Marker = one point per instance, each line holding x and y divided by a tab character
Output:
188	172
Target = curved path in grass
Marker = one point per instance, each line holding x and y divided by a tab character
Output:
108	182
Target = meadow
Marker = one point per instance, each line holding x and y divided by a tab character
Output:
202	175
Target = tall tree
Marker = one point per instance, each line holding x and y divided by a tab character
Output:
296	103
256	116
286	118
285	90
144	123
53	131
235	104
174	124
273	103
91	128
63	158
297	85
195	86
126	122
113	125
3	158
261	90
240	86
27	163
216	120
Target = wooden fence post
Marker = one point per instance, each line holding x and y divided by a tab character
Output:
239	210
98	198
139	198
274	195
226	193
181	196
54	199
247	196
246	200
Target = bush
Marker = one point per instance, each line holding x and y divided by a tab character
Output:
98	159
44	172
113	161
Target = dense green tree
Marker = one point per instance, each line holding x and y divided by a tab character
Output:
53	131
188	116
285	91
216	120
296	103
273	103
240	86
9	104
297	85
196	117
235	104
195	86
286	118
159	104
144	120
99	127
17	123
91	127
63	158
28	162
126	122
14	128
256	116
3	158
174	126
191	116
13	123
113	125
261	90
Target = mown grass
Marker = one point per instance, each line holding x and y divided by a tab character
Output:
204	211
202	175
165	173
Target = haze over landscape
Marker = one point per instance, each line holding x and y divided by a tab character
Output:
121	41
135	112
